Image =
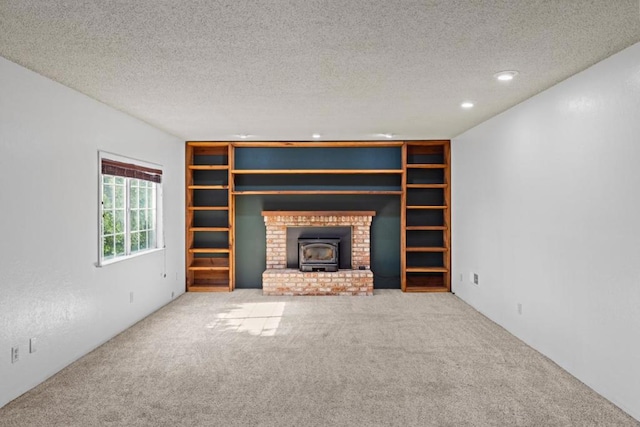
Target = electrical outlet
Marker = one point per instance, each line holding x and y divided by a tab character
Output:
475	279
519	308
461	278
131	297
172	294
32	345
15	355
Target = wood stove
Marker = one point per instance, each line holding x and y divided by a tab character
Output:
319	254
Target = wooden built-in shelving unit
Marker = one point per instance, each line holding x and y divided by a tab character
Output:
426	217
213	180
209	217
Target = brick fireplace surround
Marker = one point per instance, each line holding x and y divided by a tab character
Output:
280	280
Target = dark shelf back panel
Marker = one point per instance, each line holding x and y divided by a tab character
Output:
425	158
425	197
210	197
425	176
428	259
211	239
366	182
425	238
318	158
211	177
422	217
210	160
211	219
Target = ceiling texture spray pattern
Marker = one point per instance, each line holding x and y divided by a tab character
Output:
284	69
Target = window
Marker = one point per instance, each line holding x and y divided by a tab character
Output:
130	208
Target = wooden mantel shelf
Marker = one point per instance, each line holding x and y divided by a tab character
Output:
318	213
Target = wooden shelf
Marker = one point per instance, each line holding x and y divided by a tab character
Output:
427	207
425	249
426	227
208	187
417	145
198	229
208	167
426	166
319	192
209	144
209	281
413	288
425	186
222	286
209	264
315	171
208	268
427	270
427	282
208	208
209	250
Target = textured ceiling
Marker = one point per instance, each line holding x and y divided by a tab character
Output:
283	69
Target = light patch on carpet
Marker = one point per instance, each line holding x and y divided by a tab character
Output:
258	319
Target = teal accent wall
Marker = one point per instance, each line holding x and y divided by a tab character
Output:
249	223
318	158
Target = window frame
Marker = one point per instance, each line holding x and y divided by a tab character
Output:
159	220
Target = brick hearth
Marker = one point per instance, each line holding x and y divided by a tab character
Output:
278	280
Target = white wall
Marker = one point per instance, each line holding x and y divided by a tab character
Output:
50	288
546	209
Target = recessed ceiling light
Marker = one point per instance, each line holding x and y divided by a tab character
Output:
505	76
316	136
243	135
467	105
386	135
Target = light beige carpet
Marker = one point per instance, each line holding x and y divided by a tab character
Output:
241	359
